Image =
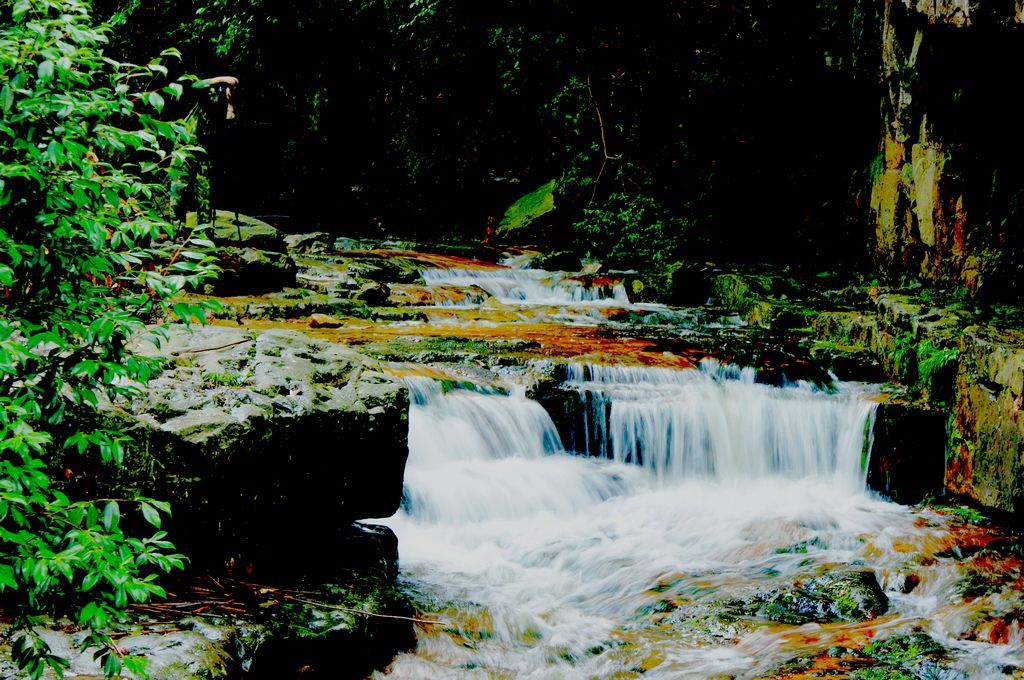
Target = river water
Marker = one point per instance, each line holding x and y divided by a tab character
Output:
678	493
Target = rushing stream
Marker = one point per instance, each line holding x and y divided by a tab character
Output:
635	546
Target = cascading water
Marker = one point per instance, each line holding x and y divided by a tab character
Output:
544	564
717	422
478	454
529	286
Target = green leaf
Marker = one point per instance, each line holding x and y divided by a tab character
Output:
45	70
7	579
111	515
151	514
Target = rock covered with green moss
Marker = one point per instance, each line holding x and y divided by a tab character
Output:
838	594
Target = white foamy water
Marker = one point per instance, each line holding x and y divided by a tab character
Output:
717	422
543	564
528	286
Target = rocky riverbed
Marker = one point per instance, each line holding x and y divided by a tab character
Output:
285	421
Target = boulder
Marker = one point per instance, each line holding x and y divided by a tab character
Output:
324	321
372	293
312	242
561	260
529	209
348	619
258	437
841	593
240	231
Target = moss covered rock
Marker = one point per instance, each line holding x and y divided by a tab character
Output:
240	231
259	436
839	594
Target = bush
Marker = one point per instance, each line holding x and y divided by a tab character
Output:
631	230
90	173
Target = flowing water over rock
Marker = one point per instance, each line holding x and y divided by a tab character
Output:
721	529
530	286
717	422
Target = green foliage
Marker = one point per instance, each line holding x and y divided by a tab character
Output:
90	171
222	380
458	104
904	354
877	166
933	360
630	229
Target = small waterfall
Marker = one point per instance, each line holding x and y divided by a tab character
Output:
477	453
528	286
718	423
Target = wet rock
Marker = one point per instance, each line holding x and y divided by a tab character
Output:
690	283
898	657
840	594
250	271
853	329
700	622
746	294
340	631
386	268
530	210
372	293
312	242
324	321
764	300
346	244
290	304
241	231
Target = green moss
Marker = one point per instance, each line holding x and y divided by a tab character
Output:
881	673
961	512
904	355
900	649
802	547
527	209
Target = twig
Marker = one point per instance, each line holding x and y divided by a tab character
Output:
604	141
211	349
366	613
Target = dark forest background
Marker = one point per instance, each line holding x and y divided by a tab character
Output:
739	131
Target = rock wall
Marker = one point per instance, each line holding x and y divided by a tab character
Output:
986	454
947	186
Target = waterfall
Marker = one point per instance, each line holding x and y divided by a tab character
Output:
717	422
701	481
477	453
528	286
